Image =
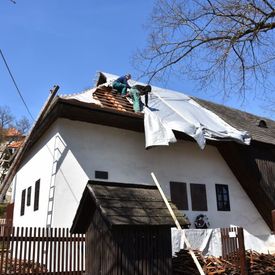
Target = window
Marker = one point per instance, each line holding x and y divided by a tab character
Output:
198	196
29	196
101	175
23	199
262	124
222	194
179	195
36	195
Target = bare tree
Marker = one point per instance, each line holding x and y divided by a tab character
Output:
6	117
23	125
226	41
7	120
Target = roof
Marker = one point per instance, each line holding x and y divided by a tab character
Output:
110	99
12	132
16	144
123	204
261	129
106	107
243	121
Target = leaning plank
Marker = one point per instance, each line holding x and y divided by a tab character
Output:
178	225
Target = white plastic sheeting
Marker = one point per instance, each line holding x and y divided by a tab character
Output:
176	111
169	110
86	96
208	241
156	133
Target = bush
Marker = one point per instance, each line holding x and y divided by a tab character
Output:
3	208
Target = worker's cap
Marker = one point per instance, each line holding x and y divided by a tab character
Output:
128	76
148	88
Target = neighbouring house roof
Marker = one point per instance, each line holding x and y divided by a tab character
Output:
12	132
123	204
16	144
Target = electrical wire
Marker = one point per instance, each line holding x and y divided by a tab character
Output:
20	94
7	66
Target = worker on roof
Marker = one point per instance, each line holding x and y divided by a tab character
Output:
136	92
121	84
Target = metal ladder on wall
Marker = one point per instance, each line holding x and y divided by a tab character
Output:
56	155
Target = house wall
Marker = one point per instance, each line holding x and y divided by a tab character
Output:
86	148
121	153
38	165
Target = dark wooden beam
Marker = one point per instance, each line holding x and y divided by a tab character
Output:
243	165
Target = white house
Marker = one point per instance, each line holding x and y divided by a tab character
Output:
97	136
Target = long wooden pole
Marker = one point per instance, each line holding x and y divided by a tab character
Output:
178	225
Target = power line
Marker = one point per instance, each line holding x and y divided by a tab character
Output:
7	66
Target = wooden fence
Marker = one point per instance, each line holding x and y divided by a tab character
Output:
5	226
2	224
41	251
233	248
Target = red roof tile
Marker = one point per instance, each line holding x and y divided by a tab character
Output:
110	99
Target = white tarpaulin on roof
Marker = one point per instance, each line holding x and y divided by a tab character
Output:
169	110
86	96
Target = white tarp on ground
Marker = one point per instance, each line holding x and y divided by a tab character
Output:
169	110
208	241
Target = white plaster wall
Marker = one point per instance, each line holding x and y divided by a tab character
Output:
38	165
70	183
91	147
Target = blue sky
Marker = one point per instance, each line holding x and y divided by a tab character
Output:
65	42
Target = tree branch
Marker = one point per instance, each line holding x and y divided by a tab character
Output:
229	37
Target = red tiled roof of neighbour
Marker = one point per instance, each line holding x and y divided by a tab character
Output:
12	132
16	144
